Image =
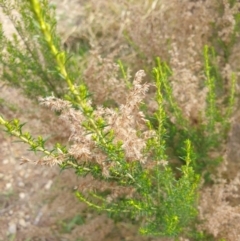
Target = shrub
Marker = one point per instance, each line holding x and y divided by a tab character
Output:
146	164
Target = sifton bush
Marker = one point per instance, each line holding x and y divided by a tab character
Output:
147	164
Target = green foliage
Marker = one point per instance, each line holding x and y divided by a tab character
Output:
69	224
25	56
165	204
165	198
209	133
124	74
